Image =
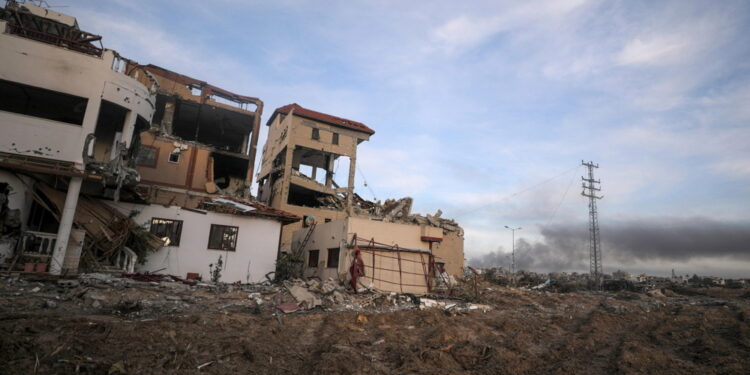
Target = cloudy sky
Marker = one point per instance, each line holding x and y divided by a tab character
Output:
485	109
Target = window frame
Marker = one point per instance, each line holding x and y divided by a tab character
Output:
330	258
172	242
179	157
221	246
335	138
315	134
310	263
156	157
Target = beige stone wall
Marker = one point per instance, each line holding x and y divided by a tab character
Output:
301	134
392	234
175	174
320	215
451	251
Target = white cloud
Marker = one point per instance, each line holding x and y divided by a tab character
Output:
464	32
660	50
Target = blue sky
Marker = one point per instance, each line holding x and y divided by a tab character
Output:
474	102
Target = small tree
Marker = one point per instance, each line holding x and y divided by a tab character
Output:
216	271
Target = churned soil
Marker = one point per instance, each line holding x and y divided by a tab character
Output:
124	331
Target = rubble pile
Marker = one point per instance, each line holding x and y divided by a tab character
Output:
392	211
99	323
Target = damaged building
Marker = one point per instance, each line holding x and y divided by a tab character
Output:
308	168
196	166
70	116
122	166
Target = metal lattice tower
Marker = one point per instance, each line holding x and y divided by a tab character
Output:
595	248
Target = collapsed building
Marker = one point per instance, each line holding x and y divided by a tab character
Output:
107	162
299	174
70	116
196	166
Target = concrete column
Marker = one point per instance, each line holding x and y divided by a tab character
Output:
128	128
66	224
287	178
329	170
253	146
350	188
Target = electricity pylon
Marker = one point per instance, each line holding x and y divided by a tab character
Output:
595	248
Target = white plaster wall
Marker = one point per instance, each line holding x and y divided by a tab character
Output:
55	68
257	243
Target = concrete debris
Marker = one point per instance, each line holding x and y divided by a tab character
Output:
235	204
392	211
197	324
304	297
426	303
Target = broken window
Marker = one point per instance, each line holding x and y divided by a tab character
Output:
229	172
333	258
147	156
108	131
316	133
312	258
169	228
223	237
335	138
38	102
40	218
218	127
174	157
301	196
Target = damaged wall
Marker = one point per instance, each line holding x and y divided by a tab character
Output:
67	72
292	142
18	200
212	125
255	254
451	252
338	235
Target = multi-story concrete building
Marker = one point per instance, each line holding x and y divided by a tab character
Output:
70	115
196	166
298	168
101	156
301	172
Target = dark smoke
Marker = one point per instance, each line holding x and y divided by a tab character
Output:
565	247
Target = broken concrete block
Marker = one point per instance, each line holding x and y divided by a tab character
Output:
304	297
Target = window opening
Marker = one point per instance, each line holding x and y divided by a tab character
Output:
333	258
169	228
312	258
174	157
223	237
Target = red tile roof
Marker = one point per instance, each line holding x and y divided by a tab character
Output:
322	117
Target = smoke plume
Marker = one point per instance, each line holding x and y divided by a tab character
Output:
565	247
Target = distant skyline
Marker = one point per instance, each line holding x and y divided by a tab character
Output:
485	109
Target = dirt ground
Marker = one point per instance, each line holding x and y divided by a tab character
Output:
168	328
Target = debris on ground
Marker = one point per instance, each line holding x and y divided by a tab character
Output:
111	324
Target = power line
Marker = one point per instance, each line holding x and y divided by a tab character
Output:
364	179
505	199
554	213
